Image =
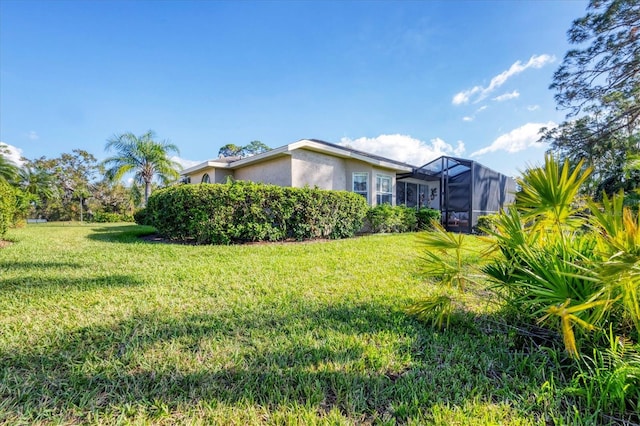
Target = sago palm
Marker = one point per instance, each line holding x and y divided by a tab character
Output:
143	156
617	230
550	194
443	260
546	265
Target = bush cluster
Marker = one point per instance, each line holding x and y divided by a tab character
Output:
104	217
486	224
565	263
387	218
141	217
246	211
7	206
427	217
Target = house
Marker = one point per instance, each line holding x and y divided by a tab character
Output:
470	190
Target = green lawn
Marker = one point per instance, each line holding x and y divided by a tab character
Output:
97	326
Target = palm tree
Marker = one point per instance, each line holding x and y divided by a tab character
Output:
36	181
8	169
144	156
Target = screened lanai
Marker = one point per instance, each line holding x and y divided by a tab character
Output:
462	190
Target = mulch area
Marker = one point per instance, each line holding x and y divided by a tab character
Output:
4	243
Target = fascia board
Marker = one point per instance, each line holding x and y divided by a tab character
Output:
283	150
204	165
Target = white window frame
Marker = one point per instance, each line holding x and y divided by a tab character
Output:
364	193
207	177
379	193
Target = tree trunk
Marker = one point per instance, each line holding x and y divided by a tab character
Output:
147	192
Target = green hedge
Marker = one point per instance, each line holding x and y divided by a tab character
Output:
426	218
486	224
385	218
7	206
245	211
104	217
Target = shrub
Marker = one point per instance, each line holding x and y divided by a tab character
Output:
486	224
103	217
386	218
557	275
427	218
246	211
7	206
140	217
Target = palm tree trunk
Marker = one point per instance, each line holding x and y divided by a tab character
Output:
147	192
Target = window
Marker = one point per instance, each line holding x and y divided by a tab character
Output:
383	190
205	178
361	184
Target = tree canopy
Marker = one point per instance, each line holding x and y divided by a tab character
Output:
253	148
598	85
143	156
230	150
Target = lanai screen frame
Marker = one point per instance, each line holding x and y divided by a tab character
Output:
467	190
456	191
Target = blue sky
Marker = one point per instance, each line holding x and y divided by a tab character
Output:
409	80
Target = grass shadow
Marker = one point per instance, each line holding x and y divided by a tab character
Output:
121	233
44	283
31	265
366	361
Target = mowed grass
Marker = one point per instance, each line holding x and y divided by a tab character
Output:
98	326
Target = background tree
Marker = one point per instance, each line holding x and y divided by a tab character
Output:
145	157
598	84
14	202
60	185
75	174
230	150
110	197
253	148
38	183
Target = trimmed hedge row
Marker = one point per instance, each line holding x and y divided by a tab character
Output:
246	211
103	217
387	218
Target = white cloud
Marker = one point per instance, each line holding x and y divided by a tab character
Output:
473	116
536	61
32	135
15	154
405	148
517	140
507	96
533	107
185	163
463	97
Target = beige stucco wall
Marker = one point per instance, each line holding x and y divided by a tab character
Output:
329	172
197	176
317	169
221	175
276	171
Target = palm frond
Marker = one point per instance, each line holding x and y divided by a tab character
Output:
436	310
